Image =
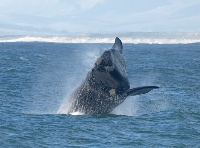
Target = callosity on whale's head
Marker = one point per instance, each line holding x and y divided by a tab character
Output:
110	68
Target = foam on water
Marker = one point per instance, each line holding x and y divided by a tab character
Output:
77	113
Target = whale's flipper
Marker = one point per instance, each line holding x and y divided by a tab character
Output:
118	45
140	90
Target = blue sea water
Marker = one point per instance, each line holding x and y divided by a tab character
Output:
36	78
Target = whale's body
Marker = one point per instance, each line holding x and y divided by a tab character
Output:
106	85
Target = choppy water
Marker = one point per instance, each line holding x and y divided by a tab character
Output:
36	78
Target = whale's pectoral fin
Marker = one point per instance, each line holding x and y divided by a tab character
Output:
140	90
118	45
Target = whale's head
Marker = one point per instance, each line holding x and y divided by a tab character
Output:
110	68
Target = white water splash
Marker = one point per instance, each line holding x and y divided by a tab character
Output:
77	113
140	105
88	59
129	107
23	59
65	107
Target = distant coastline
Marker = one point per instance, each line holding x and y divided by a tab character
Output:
128	37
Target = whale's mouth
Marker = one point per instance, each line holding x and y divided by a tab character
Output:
112	61
110	69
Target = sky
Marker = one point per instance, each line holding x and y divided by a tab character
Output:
63	17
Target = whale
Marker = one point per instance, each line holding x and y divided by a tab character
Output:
106	85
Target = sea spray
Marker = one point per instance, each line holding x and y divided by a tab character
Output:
87	58
129	107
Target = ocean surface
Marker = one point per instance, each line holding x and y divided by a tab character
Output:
37	77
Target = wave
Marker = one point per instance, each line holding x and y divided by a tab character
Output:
181	38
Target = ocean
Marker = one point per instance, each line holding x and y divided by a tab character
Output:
37	77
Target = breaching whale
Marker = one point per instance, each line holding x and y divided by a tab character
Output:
106	85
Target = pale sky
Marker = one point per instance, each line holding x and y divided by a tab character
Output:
21	17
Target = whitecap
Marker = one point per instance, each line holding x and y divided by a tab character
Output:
135	38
